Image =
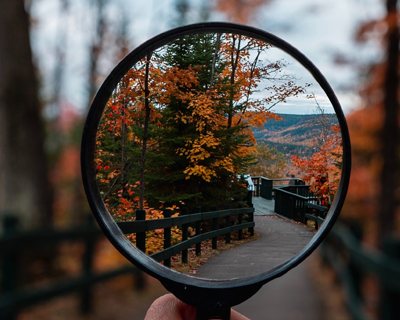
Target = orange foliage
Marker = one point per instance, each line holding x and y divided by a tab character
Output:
362	197
365	126
240	11
217	114
245	73
322	170
64	177
155	238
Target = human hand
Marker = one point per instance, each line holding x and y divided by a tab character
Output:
168	307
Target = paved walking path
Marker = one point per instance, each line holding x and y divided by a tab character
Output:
280	240
291	296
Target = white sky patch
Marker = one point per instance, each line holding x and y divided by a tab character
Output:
301	104
319	29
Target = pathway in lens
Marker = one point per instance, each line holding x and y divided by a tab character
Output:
281	239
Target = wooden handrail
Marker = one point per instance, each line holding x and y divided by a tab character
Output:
294	206
266	188
148	225
173	250
141	226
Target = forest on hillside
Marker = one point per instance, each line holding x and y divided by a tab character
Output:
295	134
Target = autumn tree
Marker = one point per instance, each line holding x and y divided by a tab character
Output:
373	197
192	102
389	134
322	170
240	11
25	189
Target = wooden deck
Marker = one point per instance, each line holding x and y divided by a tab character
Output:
263	207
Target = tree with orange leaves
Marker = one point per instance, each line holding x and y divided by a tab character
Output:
190	108
322	170
240	11
373	197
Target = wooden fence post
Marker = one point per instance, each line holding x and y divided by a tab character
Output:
139	283
355	271
251	219
249	197
87	268
291	208
268	189
167	237
197	209
227	225
240	221
141	236
258	187
9	266
184	212
389	300
214	227
302	211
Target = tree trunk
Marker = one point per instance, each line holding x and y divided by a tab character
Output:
96	47
123	147
215	55
390	129
145	133
234	62
24	185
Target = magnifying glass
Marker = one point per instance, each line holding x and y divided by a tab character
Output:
215	157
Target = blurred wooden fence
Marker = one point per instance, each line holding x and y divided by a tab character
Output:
353	261
13	244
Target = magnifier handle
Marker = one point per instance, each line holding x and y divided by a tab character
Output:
204	314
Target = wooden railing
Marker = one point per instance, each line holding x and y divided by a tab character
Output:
140	226
353	261
13	245
264	187
299	204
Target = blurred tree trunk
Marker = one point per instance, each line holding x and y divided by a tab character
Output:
97	46
182	7
25	190
390	130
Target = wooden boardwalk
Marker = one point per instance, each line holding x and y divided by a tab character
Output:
263	207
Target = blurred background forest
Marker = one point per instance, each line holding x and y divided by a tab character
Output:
54	54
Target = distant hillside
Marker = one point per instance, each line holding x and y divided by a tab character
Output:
293	135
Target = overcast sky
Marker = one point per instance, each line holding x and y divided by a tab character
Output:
318	28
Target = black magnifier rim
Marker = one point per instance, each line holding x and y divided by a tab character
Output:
199	292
